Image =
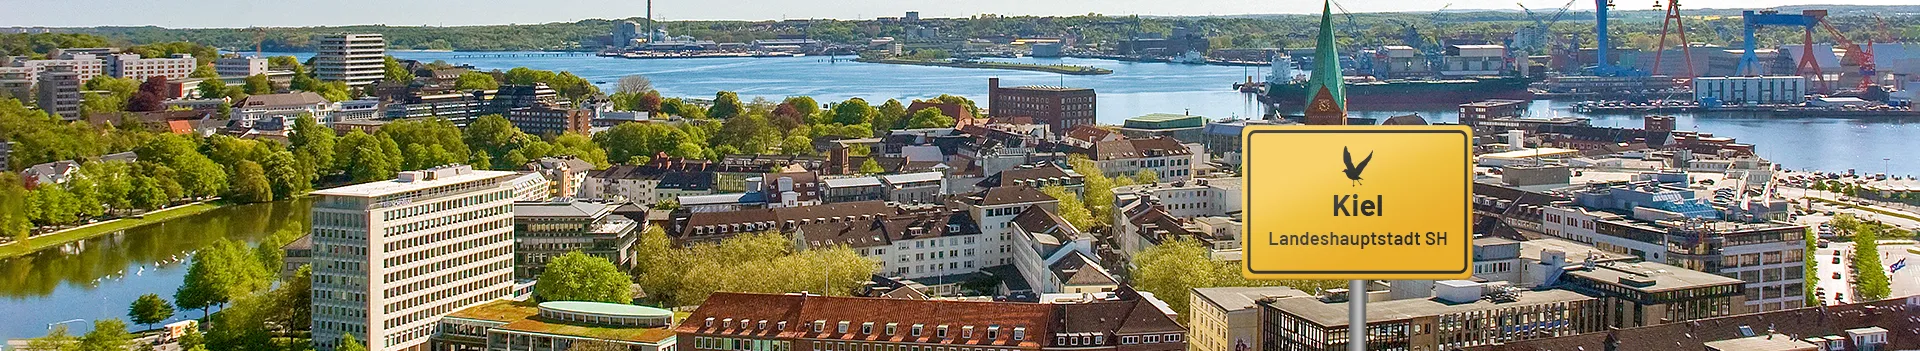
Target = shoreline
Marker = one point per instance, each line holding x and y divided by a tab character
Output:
1064	69
92	230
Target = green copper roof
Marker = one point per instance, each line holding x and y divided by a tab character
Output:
1326	62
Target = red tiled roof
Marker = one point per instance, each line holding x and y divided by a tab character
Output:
1088	133
801	312
1894	315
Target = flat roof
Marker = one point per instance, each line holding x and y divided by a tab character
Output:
559	209
392	186
605	309
1532	152
1664	277
1335	314
521	316
1240	298
851	182
1771	342
1162	117
911	177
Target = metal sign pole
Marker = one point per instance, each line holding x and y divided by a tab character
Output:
1356	315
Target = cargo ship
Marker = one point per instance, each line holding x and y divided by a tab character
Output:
1406	92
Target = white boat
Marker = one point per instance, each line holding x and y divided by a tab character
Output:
1190	57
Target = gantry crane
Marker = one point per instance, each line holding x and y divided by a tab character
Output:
1672	21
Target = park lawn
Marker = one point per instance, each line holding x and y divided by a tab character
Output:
71	235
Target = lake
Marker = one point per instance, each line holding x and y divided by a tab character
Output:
99	278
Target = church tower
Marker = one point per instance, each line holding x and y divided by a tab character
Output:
1326	91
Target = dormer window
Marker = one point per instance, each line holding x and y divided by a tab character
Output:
892	328
782	325
940	332
709	322
993	332
1019	333
866	328
966	332
819	326
762	325
916	329
842	328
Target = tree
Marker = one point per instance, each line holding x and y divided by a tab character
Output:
152	95
959	100
397	73
15	223
1809	267
575	276
212	89
258	84
93	102
853	111
107	335
892	115
333	91
726	104
193	339
796	145
250	183
1097	187
1146	176
763	262
475	81
286	62
633	84
368	156
929	118
1071	208
150	309
1173	269
871	167
751	134
627	140
202	177
312	144
648	101
1870	277
56	339
347	343
119	89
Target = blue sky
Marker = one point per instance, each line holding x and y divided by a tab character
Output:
243	13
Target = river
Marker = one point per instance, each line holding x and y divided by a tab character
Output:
99	278
1135	89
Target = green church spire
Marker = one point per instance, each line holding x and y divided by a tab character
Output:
1326	93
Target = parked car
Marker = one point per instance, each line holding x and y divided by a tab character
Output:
1836	275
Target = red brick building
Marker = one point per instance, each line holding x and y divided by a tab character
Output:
1057	107
737	321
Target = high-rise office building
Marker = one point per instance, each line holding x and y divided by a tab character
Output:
357	59
392	257
242	66
60	91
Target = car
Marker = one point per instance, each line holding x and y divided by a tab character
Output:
1836	275
1839	297
1836	260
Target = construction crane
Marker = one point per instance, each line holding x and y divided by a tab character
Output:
1857	55
1353	27
1529	39
1672	21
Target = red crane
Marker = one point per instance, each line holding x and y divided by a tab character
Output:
1672	22
1856	54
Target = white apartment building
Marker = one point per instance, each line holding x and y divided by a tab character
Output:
1053	257
1189	199
994	210
393	257
86	66
357	59
241	66
1167	157
179	66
